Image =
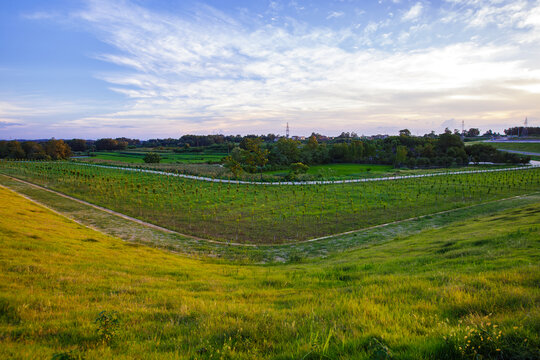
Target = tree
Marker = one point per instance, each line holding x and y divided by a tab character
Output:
77	144
253	156
34	151
472	132
401	155
57	149
152	158
405	132
287	150
14	150
110	144
232	164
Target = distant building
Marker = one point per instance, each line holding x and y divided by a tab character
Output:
298	138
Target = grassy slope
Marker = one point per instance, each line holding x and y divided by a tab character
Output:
409	294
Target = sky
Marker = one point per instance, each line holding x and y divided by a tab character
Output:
154	68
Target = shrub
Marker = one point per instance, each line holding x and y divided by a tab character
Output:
107	323
152	158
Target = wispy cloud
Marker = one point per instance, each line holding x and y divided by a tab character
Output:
413	13
335	14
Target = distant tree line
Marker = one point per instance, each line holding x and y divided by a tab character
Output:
430	150
519	130
32	150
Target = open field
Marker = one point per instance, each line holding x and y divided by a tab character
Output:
136	157
270	214
416	296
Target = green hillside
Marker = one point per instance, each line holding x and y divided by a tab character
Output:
420	296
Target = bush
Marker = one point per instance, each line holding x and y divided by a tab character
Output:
299	168
152	158
107	323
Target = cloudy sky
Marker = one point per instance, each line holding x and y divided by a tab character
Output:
156	68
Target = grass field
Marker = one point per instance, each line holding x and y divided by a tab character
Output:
270	214
446	293
136	157
527	147
360	171
342	170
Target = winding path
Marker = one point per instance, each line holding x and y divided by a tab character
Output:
534	164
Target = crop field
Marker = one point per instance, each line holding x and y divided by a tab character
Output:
136	157
468	290
270	214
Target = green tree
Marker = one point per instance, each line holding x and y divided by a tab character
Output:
77	144
57	149
34	151
14	150
253	156
401	155
288	150
405	132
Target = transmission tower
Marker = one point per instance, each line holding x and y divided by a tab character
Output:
287	131
525	132
462	128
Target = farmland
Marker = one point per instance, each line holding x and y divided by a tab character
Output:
262	214
465	288
136	157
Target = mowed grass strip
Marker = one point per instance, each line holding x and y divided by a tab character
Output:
437	294
137	157
266	214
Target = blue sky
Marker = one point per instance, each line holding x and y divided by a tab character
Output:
153	68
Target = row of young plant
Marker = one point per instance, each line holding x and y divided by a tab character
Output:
268	213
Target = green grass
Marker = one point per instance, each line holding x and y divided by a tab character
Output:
527	147
270	214
360	171
412	297
136	157
342	170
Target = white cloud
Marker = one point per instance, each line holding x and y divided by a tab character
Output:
414	12
335	14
